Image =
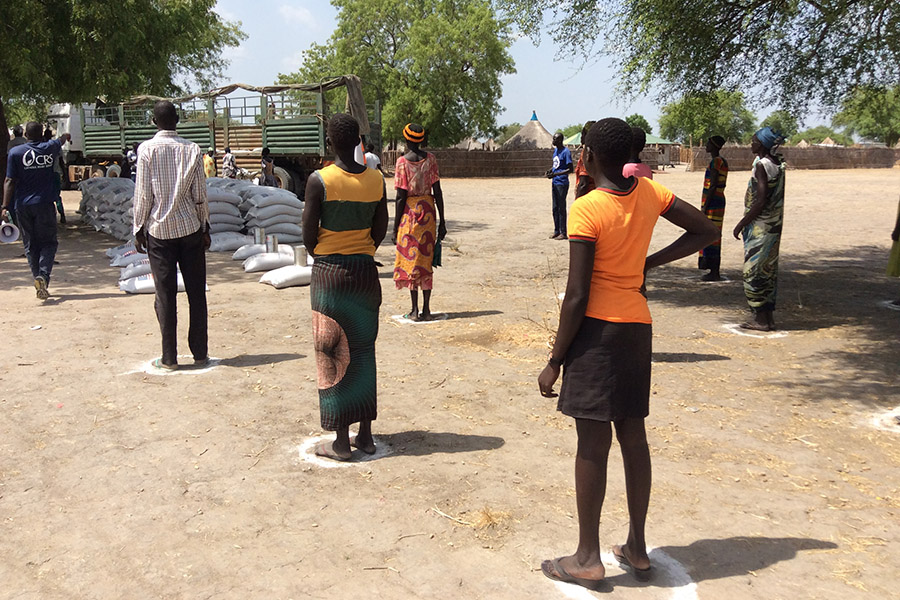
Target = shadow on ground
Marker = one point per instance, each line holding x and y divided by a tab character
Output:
257	360
686	357
839	292
423	443
709	559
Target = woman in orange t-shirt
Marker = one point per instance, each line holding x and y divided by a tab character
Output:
604	340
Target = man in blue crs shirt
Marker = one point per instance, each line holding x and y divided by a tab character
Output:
29	189
562	166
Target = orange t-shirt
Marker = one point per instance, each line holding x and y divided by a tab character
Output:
620	225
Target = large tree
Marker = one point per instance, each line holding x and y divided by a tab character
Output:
77	50
637	120
698	116
795	51
873	113
782	121
435	62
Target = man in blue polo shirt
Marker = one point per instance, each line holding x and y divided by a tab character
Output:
29	189
562	166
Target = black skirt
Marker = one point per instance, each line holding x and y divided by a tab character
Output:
606	374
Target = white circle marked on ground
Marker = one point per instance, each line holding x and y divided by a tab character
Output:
185	367
434	317
738	330
889	304
307	453
888	421
670	579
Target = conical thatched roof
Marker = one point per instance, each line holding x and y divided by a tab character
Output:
803	144
532	136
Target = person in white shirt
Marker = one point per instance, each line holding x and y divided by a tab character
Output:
171	223
372	160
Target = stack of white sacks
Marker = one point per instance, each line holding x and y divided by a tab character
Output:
276	211
285	266
234	205
135	276
223	199
106	204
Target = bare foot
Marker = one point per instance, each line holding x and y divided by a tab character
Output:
425	316
327	450
366	445
412	315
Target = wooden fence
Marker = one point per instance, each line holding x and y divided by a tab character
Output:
814	157
533	163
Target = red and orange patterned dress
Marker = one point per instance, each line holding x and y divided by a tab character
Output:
418	225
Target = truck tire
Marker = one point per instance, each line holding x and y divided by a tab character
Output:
284	179
113	171
299	183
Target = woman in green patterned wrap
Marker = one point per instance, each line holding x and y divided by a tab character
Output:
344	219
761	228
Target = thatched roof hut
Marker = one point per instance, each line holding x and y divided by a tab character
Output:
532	136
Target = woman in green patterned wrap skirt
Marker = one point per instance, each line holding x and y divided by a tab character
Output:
344	219
761	228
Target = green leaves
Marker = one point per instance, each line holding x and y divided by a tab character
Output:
786	52
76	50
701	115
434	62
872	112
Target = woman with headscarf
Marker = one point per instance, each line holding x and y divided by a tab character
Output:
345	218
416	229
713	206
761	228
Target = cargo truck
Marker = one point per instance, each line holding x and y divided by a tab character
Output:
288	119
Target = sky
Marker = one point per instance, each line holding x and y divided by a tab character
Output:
562	92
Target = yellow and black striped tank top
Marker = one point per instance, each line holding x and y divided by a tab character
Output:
347	212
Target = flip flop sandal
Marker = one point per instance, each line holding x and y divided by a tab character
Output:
325	450
639	574
548	566
159	364
353	444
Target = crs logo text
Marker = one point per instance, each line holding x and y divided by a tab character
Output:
33	160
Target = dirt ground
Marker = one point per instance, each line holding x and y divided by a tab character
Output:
770	477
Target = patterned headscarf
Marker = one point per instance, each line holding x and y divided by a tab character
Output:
414	133
768	138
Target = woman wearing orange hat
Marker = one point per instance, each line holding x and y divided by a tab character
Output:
416	227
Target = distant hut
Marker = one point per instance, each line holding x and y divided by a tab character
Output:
803	144
469	144
532	136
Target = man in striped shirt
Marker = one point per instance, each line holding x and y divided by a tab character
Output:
171	221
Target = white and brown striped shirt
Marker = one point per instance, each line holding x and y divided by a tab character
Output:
170	189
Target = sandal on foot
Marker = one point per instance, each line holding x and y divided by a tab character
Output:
639	574
366	449
159	364
326	450
549	566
